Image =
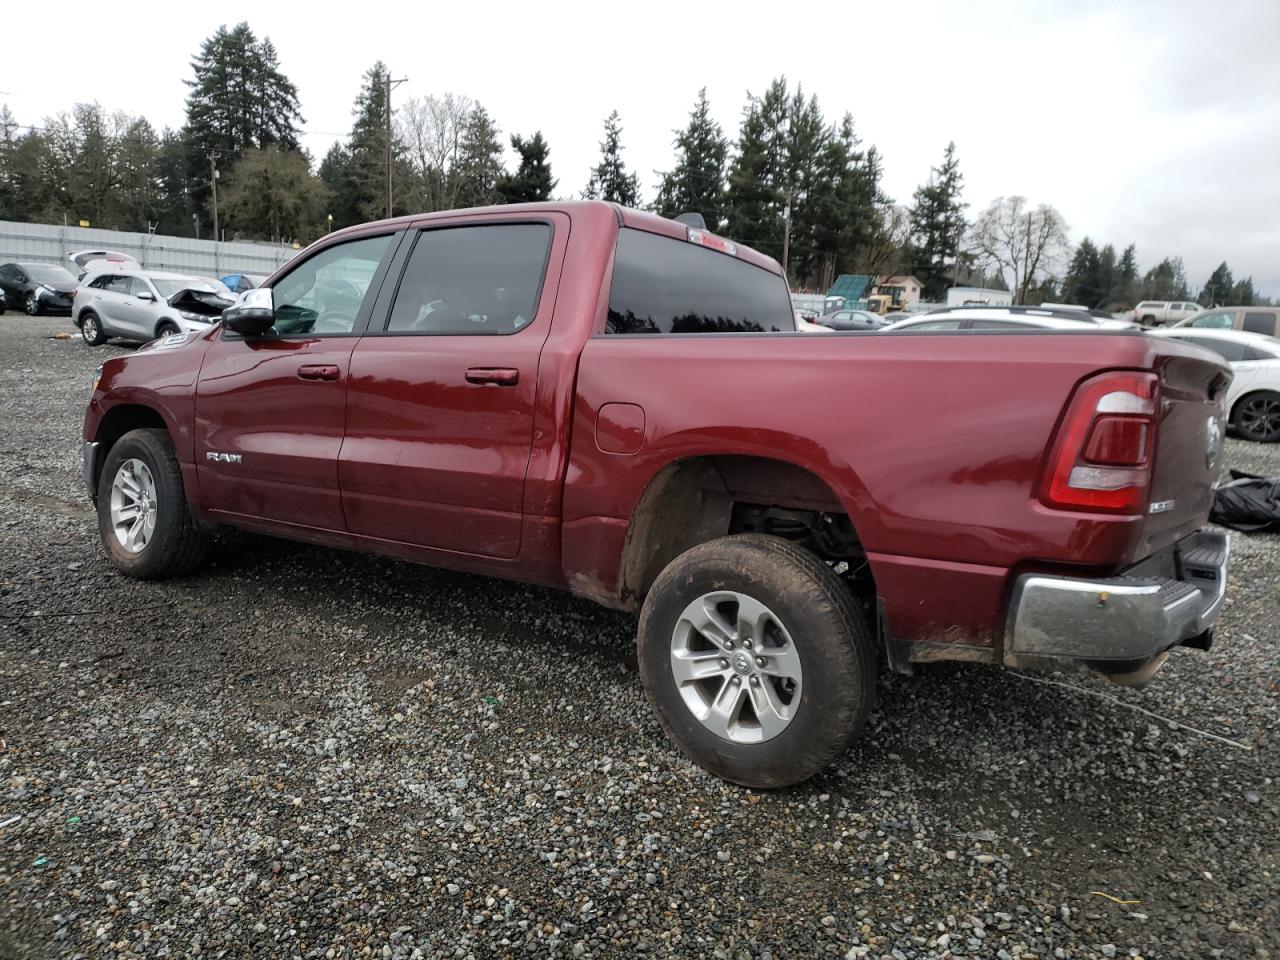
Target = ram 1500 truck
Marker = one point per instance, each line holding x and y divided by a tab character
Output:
594	398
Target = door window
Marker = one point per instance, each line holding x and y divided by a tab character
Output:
322	296
118	285
138	286
1218	320
1259	321
483	280
1001	325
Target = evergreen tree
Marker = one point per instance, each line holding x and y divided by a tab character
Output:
1081	283
139	194
176	209
1106	276
810	181
1124	291
1218	289
696	183
343	193
1243	294
479	165
1167	280
610	180
532	181
755	195
365	188
239	100
938	225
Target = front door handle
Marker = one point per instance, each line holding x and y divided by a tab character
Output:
498	376
318	371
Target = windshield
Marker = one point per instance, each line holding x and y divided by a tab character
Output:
48	273
168	286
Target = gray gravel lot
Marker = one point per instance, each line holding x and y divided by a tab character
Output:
306	753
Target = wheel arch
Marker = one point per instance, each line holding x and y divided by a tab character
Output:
118	421
692	500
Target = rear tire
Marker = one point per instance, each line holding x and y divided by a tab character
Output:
812	633
91	329
143	517
1257	416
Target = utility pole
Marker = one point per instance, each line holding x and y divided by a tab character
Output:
786	234
391	85
213	183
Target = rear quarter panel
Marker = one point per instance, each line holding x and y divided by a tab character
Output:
933	443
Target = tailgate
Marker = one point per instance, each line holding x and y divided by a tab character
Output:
1189	449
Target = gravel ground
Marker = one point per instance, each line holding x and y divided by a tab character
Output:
306	753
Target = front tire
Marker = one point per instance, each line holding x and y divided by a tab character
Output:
91	329
756	659
143	517
166	328
1257	416
31	305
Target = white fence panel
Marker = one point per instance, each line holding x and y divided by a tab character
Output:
51	243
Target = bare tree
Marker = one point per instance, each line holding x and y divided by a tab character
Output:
431	130
884	251
1019	240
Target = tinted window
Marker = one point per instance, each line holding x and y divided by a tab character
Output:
663	285
1256	321
1226	349
323	294
1218	320
1002	325
472	280
934	325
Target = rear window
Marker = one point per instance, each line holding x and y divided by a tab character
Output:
1257	321
1229	350
664	285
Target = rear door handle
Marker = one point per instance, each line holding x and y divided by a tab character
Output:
318	371
498	376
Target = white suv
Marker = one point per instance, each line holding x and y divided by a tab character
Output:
1154	313
134	305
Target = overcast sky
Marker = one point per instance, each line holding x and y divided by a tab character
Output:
1152	122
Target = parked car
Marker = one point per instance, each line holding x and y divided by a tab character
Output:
240	282
134	305
1005	318
805	325
98	261
36	288
584	396
851	320
1264	320
1156	313
1252	402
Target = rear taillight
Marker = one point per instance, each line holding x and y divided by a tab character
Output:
1101	459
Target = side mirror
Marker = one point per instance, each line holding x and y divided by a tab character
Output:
253	314
147	295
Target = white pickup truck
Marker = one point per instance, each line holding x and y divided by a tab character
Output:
1158	313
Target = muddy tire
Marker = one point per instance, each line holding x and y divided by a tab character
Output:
756	659
143	517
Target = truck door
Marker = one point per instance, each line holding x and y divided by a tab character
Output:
440	404
269	410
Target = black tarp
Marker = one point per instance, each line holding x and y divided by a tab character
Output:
1249	503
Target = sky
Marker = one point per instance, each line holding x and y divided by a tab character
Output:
1155	122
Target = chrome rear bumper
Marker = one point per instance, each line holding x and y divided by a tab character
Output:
1158	604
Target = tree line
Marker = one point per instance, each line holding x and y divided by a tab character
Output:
793	184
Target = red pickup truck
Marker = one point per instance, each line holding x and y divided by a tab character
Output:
594	398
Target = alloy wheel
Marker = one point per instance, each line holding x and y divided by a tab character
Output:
1260	418
133	505
736	667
